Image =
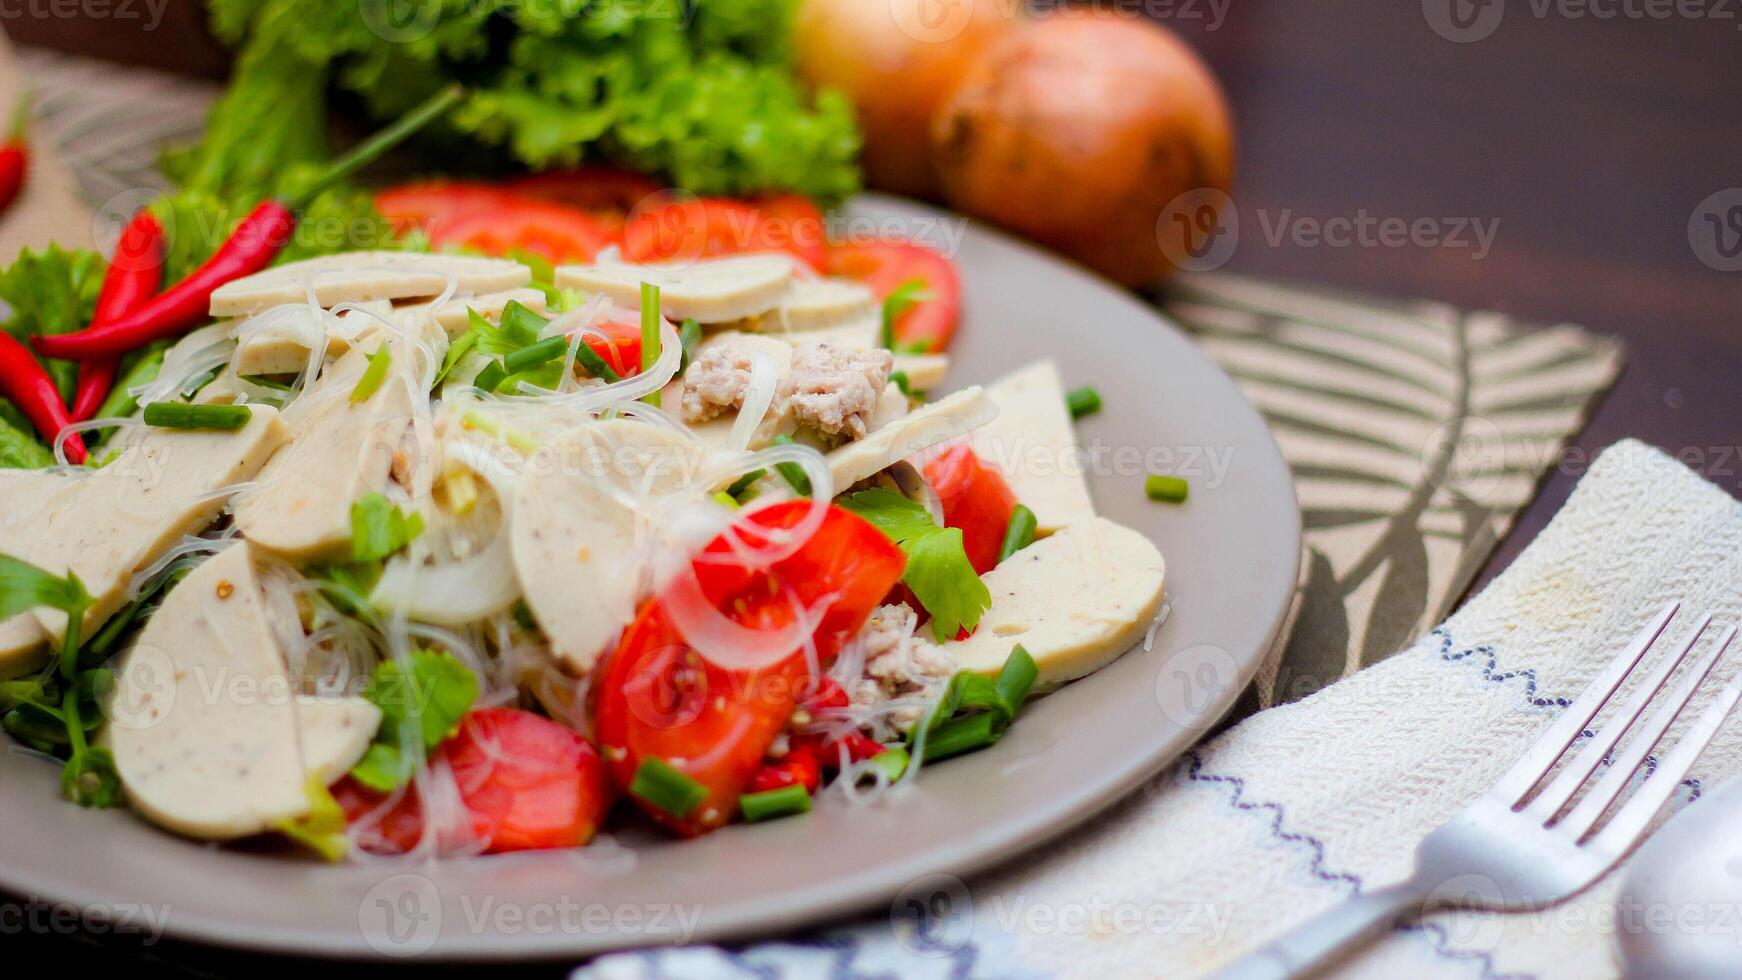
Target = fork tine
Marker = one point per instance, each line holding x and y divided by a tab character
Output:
1584	816
1561	788
1636	814
1553	742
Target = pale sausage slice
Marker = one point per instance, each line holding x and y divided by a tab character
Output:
358	277
938	422
1033	442
1075	601
23	644
710	291
121	518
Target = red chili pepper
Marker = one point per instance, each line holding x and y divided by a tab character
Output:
256	241
798	767
15	155
24	380
135	272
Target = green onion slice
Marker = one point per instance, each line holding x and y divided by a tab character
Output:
961	736
786	801
1084	401
373	375
650	333
178	415
662	786
1167	489
792	473
1020	533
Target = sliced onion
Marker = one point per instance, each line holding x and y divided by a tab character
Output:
473	588
758	396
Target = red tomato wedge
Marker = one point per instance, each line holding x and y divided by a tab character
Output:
976	499
434	205
554	231
527	783
671	228
655	697
623	350
887	266
606	193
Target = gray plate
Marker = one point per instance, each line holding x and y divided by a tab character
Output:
1231	555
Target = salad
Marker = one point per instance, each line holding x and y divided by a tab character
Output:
433	554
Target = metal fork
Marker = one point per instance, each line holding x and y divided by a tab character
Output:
1529	852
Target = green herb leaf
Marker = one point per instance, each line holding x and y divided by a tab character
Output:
422	704
378	528
24	587
938	570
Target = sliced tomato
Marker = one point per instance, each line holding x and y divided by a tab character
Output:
527	783
657	698
556	232
888	266
608	194
623	348
434	205
799	767
976	499
673	227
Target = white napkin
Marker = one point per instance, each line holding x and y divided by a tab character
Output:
1298	808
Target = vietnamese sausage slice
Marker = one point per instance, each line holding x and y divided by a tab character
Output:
938	422
342	451
358	277
23	644
711	291
203	721
335	732
118	520
578	519
1034	444
1075	601
810	304
454	315
279	341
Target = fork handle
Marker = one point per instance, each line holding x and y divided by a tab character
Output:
1315	943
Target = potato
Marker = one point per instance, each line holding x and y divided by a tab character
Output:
896	60
1078	130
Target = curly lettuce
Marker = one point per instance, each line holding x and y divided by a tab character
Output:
700	91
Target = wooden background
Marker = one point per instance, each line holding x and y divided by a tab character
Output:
1591	141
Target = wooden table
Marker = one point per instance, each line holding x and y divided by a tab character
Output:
1591	142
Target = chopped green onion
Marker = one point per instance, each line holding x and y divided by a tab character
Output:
900	380
197	383
961	736
1084	401
726	500
1015	678
745	482
893	762
520	325
650	333
456	352
689	334
595	365
903	298
786	801
493	374
532	356
518	441
661	785
792	473
373	375
1167	489
179	415
1020	533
